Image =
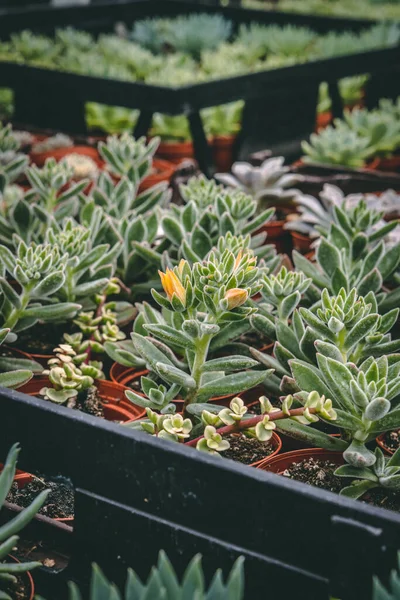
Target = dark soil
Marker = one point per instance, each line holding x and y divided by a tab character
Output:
320	474
42	338
59	503
315	472
88	402
383	498
19	590
392	440
246	450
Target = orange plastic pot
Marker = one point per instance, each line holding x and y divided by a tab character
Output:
222	149
115	404
276	234
323	120
39	158
389	165
162	171
29	580
175	152
276	443
301	243
279	464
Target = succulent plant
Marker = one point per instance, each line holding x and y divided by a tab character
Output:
82	166
19	372
128	157
202	298
67	378
363	261
12	162
380	592
381	129
352	89
110	119
88	267
8	531
269	184
224	120
347	324
337	146
171	128
59	140
47	193
39	271
163	583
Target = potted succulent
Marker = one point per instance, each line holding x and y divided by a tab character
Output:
270	185
15	577
223	123
59	146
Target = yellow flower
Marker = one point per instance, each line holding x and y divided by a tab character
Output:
172	285
236	297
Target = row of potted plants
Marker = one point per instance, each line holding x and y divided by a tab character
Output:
362	138
232	348
364	9
187	49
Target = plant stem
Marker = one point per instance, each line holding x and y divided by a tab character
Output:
248	423
201	352
16	313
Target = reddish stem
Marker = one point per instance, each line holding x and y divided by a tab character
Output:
248	423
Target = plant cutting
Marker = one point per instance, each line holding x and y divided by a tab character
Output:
163	583
11	571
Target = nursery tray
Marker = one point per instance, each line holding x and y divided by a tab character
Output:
280	103
135	494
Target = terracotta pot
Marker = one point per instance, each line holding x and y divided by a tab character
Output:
380	440
175	152
22	479
222	147
28	580
276	443
163	171
278	464
390	165
39	158
42	359
323	120
276	234
115	405
126	375
310	255
301	243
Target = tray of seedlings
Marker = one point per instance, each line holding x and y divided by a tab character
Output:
181	380
171	60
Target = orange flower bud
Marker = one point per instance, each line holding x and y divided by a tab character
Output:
172	285
236	297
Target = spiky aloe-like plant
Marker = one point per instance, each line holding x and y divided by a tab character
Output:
9	571
348	324
163	583
352	252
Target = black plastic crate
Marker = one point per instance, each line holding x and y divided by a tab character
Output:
280	103
136	494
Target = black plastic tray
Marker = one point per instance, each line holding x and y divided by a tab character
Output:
136	494
280	103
